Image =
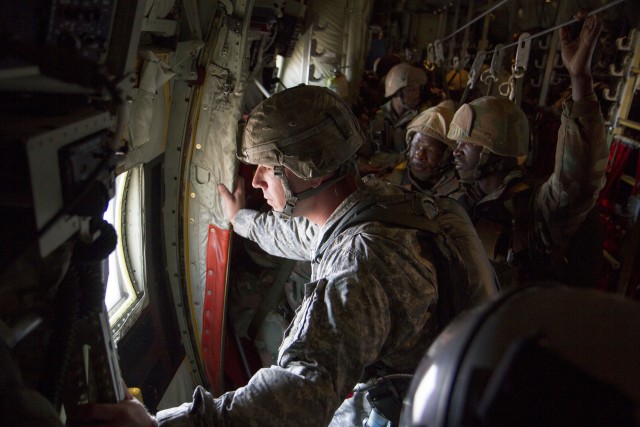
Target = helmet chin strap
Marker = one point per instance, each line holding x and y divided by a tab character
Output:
291	199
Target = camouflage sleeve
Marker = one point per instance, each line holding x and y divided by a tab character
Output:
370	302
288	239
564	200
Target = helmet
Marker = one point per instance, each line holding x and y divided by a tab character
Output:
434	122
307	129
381	66
401	76
496	124
545	354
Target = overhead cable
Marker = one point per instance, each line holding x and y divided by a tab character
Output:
573	21
475	19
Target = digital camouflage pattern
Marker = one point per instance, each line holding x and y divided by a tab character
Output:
494	123
307	129
529	233
370	300
387	130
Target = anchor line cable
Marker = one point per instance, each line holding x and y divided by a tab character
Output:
573	21
491	9
538	34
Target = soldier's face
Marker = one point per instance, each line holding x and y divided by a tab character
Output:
425	153
271	186
411	96
265	179
466	156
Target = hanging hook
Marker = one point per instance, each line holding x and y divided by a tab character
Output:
314	49
540	62
612	96
537	82
312	74
557	60
625	42
543	44
554	79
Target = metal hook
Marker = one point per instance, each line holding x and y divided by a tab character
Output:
543	44
314	49
554	79
620	41
540	62
557	60
612	96
312	74
318	27
537	82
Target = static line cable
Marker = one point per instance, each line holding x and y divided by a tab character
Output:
482	15
573	21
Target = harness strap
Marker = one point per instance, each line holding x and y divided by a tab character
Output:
406	210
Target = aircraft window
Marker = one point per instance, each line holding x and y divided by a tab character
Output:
126	297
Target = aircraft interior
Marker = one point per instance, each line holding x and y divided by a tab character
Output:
119	118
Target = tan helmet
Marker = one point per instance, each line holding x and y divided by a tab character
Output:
433	122
307	129
401	76
496	124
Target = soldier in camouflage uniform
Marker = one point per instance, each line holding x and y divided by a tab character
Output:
371	302
525	226
388	127
428	166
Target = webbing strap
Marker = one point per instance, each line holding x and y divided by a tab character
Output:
405	210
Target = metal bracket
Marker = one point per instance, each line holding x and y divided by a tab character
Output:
475	68
522	54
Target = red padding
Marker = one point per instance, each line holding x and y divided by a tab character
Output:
213	314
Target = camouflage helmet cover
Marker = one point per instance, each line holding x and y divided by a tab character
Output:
307	129
401	76
494	123
433	122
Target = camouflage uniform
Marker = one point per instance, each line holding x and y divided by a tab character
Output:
447	185
525	227
370	301
387	130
